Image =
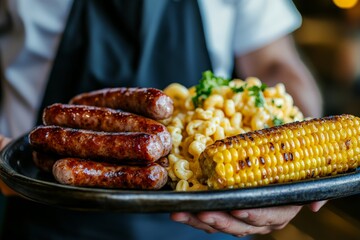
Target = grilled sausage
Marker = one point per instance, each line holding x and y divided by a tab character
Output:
78	172
149	102
104	119
120	147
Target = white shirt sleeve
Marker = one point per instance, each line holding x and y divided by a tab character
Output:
259	22
27	53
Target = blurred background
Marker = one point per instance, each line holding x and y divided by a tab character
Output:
329	41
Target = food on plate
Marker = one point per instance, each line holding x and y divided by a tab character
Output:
214	109
129	147
97	146
218	134
149	102
74	171
290	152
104	119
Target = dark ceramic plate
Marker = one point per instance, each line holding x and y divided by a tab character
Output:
18	171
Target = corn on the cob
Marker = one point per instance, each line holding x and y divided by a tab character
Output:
290	152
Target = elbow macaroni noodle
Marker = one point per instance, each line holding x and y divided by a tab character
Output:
224	113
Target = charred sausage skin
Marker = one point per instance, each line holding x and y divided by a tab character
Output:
86	173
149	102
104	119
128	147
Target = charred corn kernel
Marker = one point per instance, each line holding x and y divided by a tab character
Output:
290	152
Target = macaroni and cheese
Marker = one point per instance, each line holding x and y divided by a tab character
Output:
233	108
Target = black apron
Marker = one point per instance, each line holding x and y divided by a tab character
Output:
109	44
128	43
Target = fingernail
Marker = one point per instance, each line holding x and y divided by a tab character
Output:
210	221
182	218
244	215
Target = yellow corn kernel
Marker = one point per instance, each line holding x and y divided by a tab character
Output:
241	153
220	170
231	181
234	153
229	171
237	178
227	156
257	175
218	157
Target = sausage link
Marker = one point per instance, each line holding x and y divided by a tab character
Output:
120	147
104	119
78	172
149	102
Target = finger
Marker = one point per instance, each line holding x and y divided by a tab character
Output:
191	220
315	206
4	141
226	223
274	217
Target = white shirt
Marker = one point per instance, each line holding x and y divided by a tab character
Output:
27	53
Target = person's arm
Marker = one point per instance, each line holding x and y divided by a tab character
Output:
280	62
